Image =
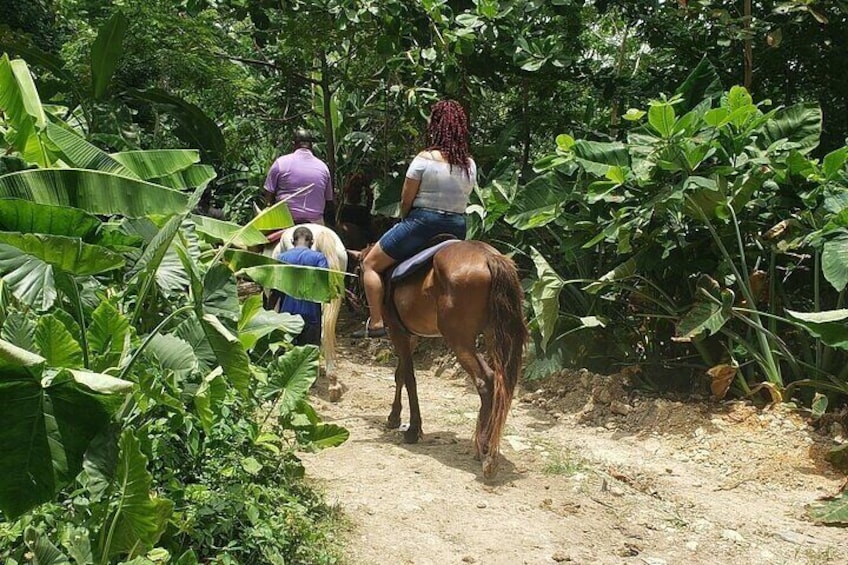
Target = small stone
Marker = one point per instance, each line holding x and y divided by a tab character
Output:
654	561
796	538
560	557
732	535
620	408
692	545
836	429
468	559
481	505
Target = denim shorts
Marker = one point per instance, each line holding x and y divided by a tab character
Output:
421	225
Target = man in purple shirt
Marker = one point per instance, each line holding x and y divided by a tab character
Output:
303	181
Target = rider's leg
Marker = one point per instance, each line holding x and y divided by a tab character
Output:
375	263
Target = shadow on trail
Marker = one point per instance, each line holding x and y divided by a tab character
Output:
444	446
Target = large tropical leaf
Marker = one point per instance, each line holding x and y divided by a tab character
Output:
151	164
229	352
539	202
155	251
830	326
191	331
79	153
304	283
192	177
46	424
238	259
195	128
800	125
28	217
703	82
30	279
138	519
256	322
106	51
323	436
598	156
23	111
28	261
108	337
835	262
56	344
276	217
19	329
544	297
709	313
209	397
66	254
93	191
290	377
220	295
221	231
42	549
172	353
619	273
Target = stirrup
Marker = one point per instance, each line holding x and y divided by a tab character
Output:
367	332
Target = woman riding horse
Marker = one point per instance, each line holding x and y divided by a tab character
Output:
433	201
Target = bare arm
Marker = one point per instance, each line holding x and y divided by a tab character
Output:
408	194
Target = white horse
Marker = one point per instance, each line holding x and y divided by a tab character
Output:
327	242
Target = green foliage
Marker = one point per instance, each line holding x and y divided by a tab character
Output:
106	277
672	231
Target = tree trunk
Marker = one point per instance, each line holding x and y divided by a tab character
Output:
615	111
330	142
749	56
525	118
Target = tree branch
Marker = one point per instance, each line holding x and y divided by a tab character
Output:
260	63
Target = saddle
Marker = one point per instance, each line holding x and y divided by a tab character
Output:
423	259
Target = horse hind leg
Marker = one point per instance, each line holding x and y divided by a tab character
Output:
472	362
489	454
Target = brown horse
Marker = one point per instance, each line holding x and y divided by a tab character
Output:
470	289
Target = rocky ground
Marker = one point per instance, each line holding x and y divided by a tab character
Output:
591	473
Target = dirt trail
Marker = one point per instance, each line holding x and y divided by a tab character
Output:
588	475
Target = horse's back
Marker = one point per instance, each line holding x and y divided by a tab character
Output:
453	293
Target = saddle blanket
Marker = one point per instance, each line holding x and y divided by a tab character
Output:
419	260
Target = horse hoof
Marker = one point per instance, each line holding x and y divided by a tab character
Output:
335	393
392	423
490	467
411	436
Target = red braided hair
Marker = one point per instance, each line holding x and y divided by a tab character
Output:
448	132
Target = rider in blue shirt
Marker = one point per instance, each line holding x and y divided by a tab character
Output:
303	254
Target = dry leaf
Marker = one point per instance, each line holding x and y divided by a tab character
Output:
722	377
777	230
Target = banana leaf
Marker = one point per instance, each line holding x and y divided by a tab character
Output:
155	163
93	191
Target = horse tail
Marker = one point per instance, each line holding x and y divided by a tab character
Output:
327	243
505	338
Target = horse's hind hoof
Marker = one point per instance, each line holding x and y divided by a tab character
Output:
411	436
392	423
335	393
490	467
